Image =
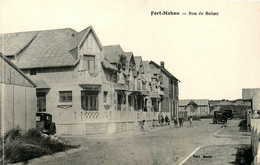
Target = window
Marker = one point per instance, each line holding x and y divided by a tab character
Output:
38	118
89	62
155	105
105	97
65	96
32	71
89	100
114	78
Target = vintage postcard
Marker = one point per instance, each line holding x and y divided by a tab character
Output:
129	82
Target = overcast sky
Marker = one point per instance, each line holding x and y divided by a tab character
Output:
214	57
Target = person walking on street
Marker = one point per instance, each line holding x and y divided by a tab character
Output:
162	118
180	121
141	123
191	121
153	124
167	120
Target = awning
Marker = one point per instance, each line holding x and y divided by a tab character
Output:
132	92
145	93
93	87
40	84
154	95
120	87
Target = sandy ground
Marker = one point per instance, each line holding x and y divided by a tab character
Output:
166	145
221	154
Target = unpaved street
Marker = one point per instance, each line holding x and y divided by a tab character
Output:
166	145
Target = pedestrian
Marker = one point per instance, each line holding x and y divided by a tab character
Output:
153	124
162	118
167	121
175	120
191	121
180	121
141	123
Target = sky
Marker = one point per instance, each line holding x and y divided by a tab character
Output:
214	57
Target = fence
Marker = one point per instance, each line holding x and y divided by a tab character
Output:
255	137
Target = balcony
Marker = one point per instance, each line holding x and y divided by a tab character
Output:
84	77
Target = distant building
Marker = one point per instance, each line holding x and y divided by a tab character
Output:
194	107
252	94
17	98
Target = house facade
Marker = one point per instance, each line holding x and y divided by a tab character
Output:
194	107
166	85
87	87
17	98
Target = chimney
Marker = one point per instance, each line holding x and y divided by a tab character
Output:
162	64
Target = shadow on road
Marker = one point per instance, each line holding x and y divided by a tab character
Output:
243	155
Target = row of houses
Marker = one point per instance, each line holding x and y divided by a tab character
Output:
87	87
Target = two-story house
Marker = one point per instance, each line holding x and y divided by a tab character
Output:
66	66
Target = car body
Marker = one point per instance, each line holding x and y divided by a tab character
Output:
229	113
44	123
220	117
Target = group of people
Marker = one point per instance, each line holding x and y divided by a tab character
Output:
162	120
178	122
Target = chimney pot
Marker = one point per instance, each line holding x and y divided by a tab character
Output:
162	64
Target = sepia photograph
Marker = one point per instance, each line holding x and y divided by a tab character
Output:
110	82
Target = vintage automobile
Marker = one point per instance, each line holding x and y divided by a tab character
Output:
220	117
44	123
229	113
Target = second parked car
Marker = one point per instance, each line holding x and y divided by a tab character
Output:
44	123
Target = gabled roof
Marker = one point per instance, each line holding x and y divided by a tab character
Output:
41	84
12	65
11	44
129	57
249	93
106	64
48	48
146	66
165	71
78	38
113	53
191	101
138	62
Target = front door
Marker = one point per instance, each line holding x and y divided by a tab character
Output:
41	101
